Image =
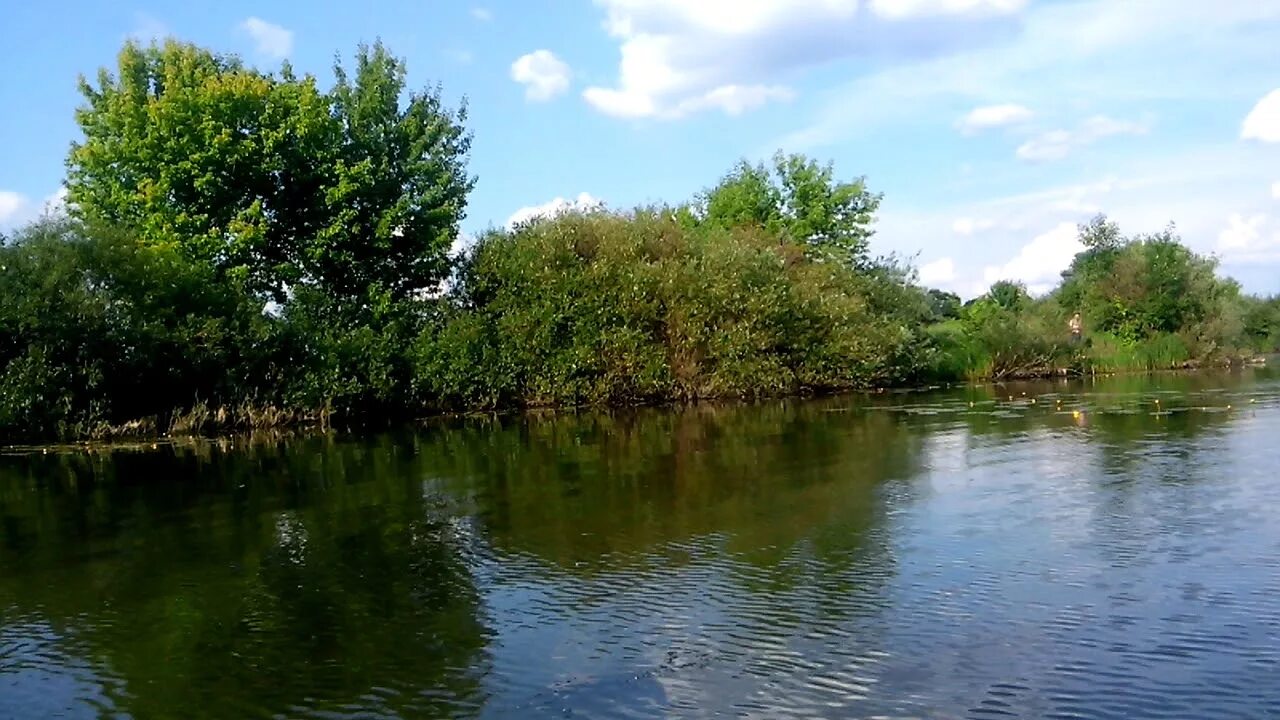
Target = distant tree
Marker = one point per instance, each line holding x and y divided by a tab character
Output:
1009	295
266	178
747	195
943	305
1100	234
801	198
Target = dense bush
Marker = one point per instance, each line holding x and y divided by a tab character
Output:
639	307
98	328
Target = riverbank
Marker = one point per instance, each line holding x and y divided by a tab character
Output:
239	426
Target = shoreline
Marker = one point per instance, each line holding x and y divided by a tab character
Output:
133	434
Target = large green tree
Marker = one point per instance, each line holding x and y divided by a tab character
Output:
802	199
267	178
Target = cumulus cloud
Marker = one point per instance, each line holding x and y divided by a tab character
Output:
1263	121
12	205
56	203
1249	240
1252	238
680	57
904	9
269	39
735	99
993	116
1057	144
968	226
543	75
482	14
1241	233
585	202
16	208
939	272
1040	262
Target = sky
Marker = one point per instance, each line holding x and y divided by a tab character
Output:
993	127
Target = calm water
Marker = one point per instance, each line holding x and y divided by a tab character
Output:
1079	550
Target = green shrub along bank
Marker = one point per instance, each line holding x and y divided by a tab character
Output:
642	307
244	249
1146	302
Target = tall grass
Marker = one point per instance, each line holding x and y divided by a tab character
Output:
1109	353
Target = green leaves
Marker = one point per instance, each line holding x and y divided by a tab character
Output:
265	178
602	308
800	199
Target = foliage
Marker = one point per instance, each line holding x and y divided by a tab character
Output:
1001	334
1260	320
801	200
1148	303
637	307
1008	295
100	328
347	359
105	330
1149	285
269	180
943	305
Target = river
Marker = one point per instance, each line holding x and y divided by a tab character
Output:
1101	548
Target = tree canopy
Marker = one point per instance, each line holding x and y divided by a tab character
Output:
268	179
801	199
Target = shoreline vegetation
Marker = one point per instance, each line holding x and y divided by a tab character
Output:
242	250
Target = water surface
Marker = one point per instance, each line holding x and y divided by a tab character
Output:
1073	549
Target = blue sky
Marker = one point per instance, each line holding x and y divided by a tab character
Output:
992	126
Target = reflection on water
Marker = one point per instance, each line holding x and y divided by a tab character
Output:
1066	549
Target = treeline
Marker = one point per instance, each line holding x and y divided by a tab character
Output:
1146	302
242	249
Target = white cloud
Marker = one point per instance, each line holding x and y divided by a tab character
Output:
461	243
968	226
148	29
1263	121
1040	263
482	14
1275	190
939	272
269	39
12	207
1059	57
1057	144
16	208
905	9
1241	232
993	116
679	57
1252	239
55	203
542	73
1052	145
734	99
585	202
